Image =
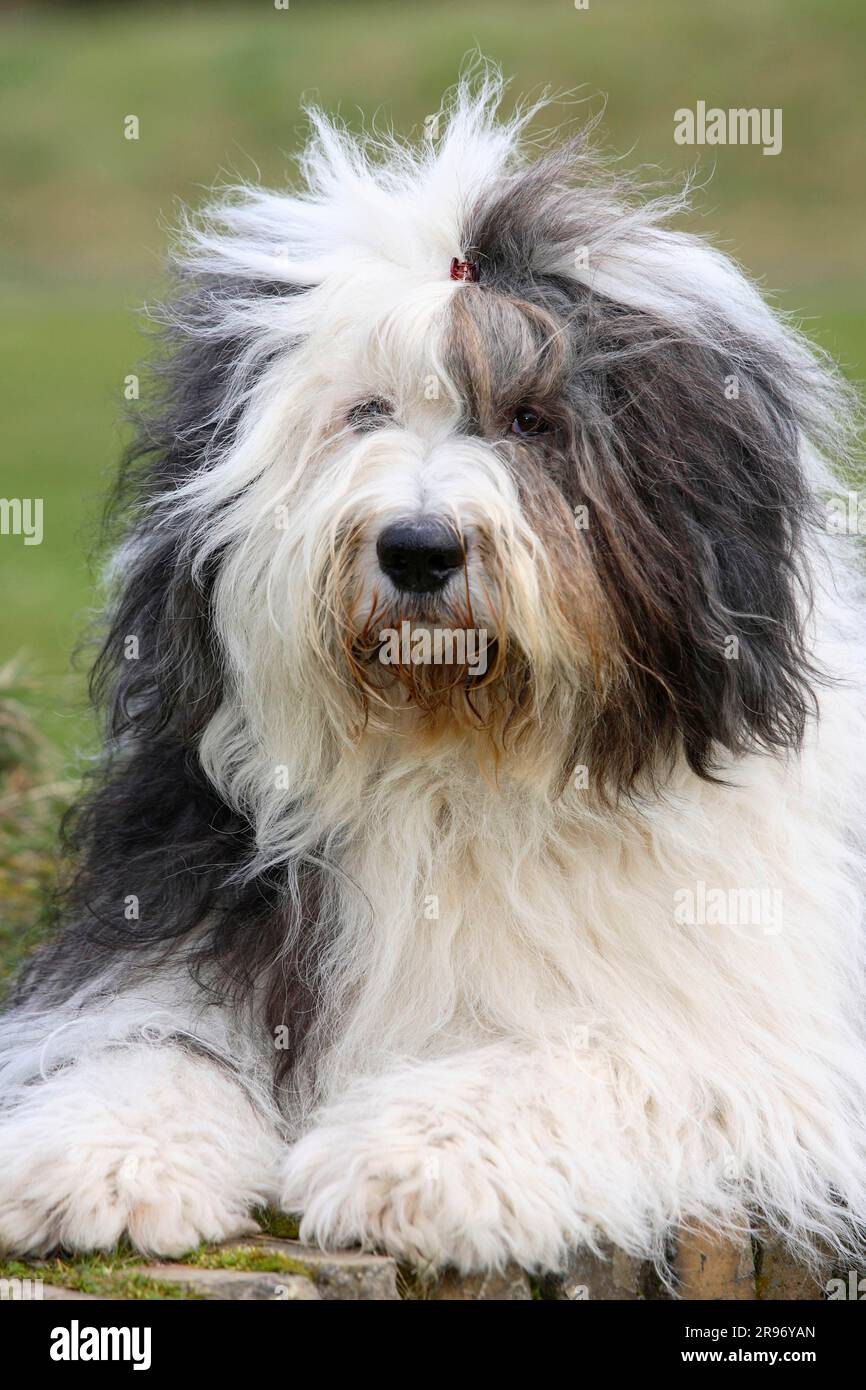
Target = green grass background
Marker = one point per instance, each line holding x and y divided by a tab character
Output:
217	91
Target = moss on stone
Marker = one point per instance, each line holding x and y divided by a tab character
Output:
247	1258
277	1224
105	1275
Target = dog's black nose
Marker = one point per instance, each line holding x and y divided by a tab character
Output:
419	556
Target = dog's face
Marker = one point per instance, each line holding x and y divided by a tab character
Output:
584	454
437	489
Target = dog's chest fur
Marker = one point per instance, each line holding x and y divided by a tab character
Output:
471	909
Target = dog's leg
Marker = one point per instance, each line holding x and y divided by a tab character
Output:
151	1142
471	1161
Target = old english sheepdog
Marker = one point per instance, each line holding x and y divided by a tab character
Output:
507	945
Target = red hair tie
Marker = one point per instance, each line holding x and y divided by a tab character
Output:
464	270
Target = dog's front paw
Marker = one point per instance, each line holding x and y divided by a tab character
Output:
161	1149
89	1196
431	1195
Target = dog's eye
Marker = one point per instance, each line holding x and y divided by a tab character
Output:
368	412
527	421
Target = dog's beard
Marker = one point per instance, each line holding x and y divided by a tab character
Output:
446	661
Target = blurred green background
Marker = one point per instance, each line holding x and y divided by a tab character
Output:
217	91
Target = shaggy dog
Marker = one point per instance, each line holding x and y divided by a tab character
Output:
470	962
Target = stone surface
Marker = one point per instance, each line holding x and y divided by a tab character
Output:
706	1269
608	1276
710	1268
347	1275
782	1276
512	1285
58	1293
271	1286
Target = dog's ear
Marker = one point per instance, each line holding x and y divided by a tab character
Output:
159	667
692	406
689	454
